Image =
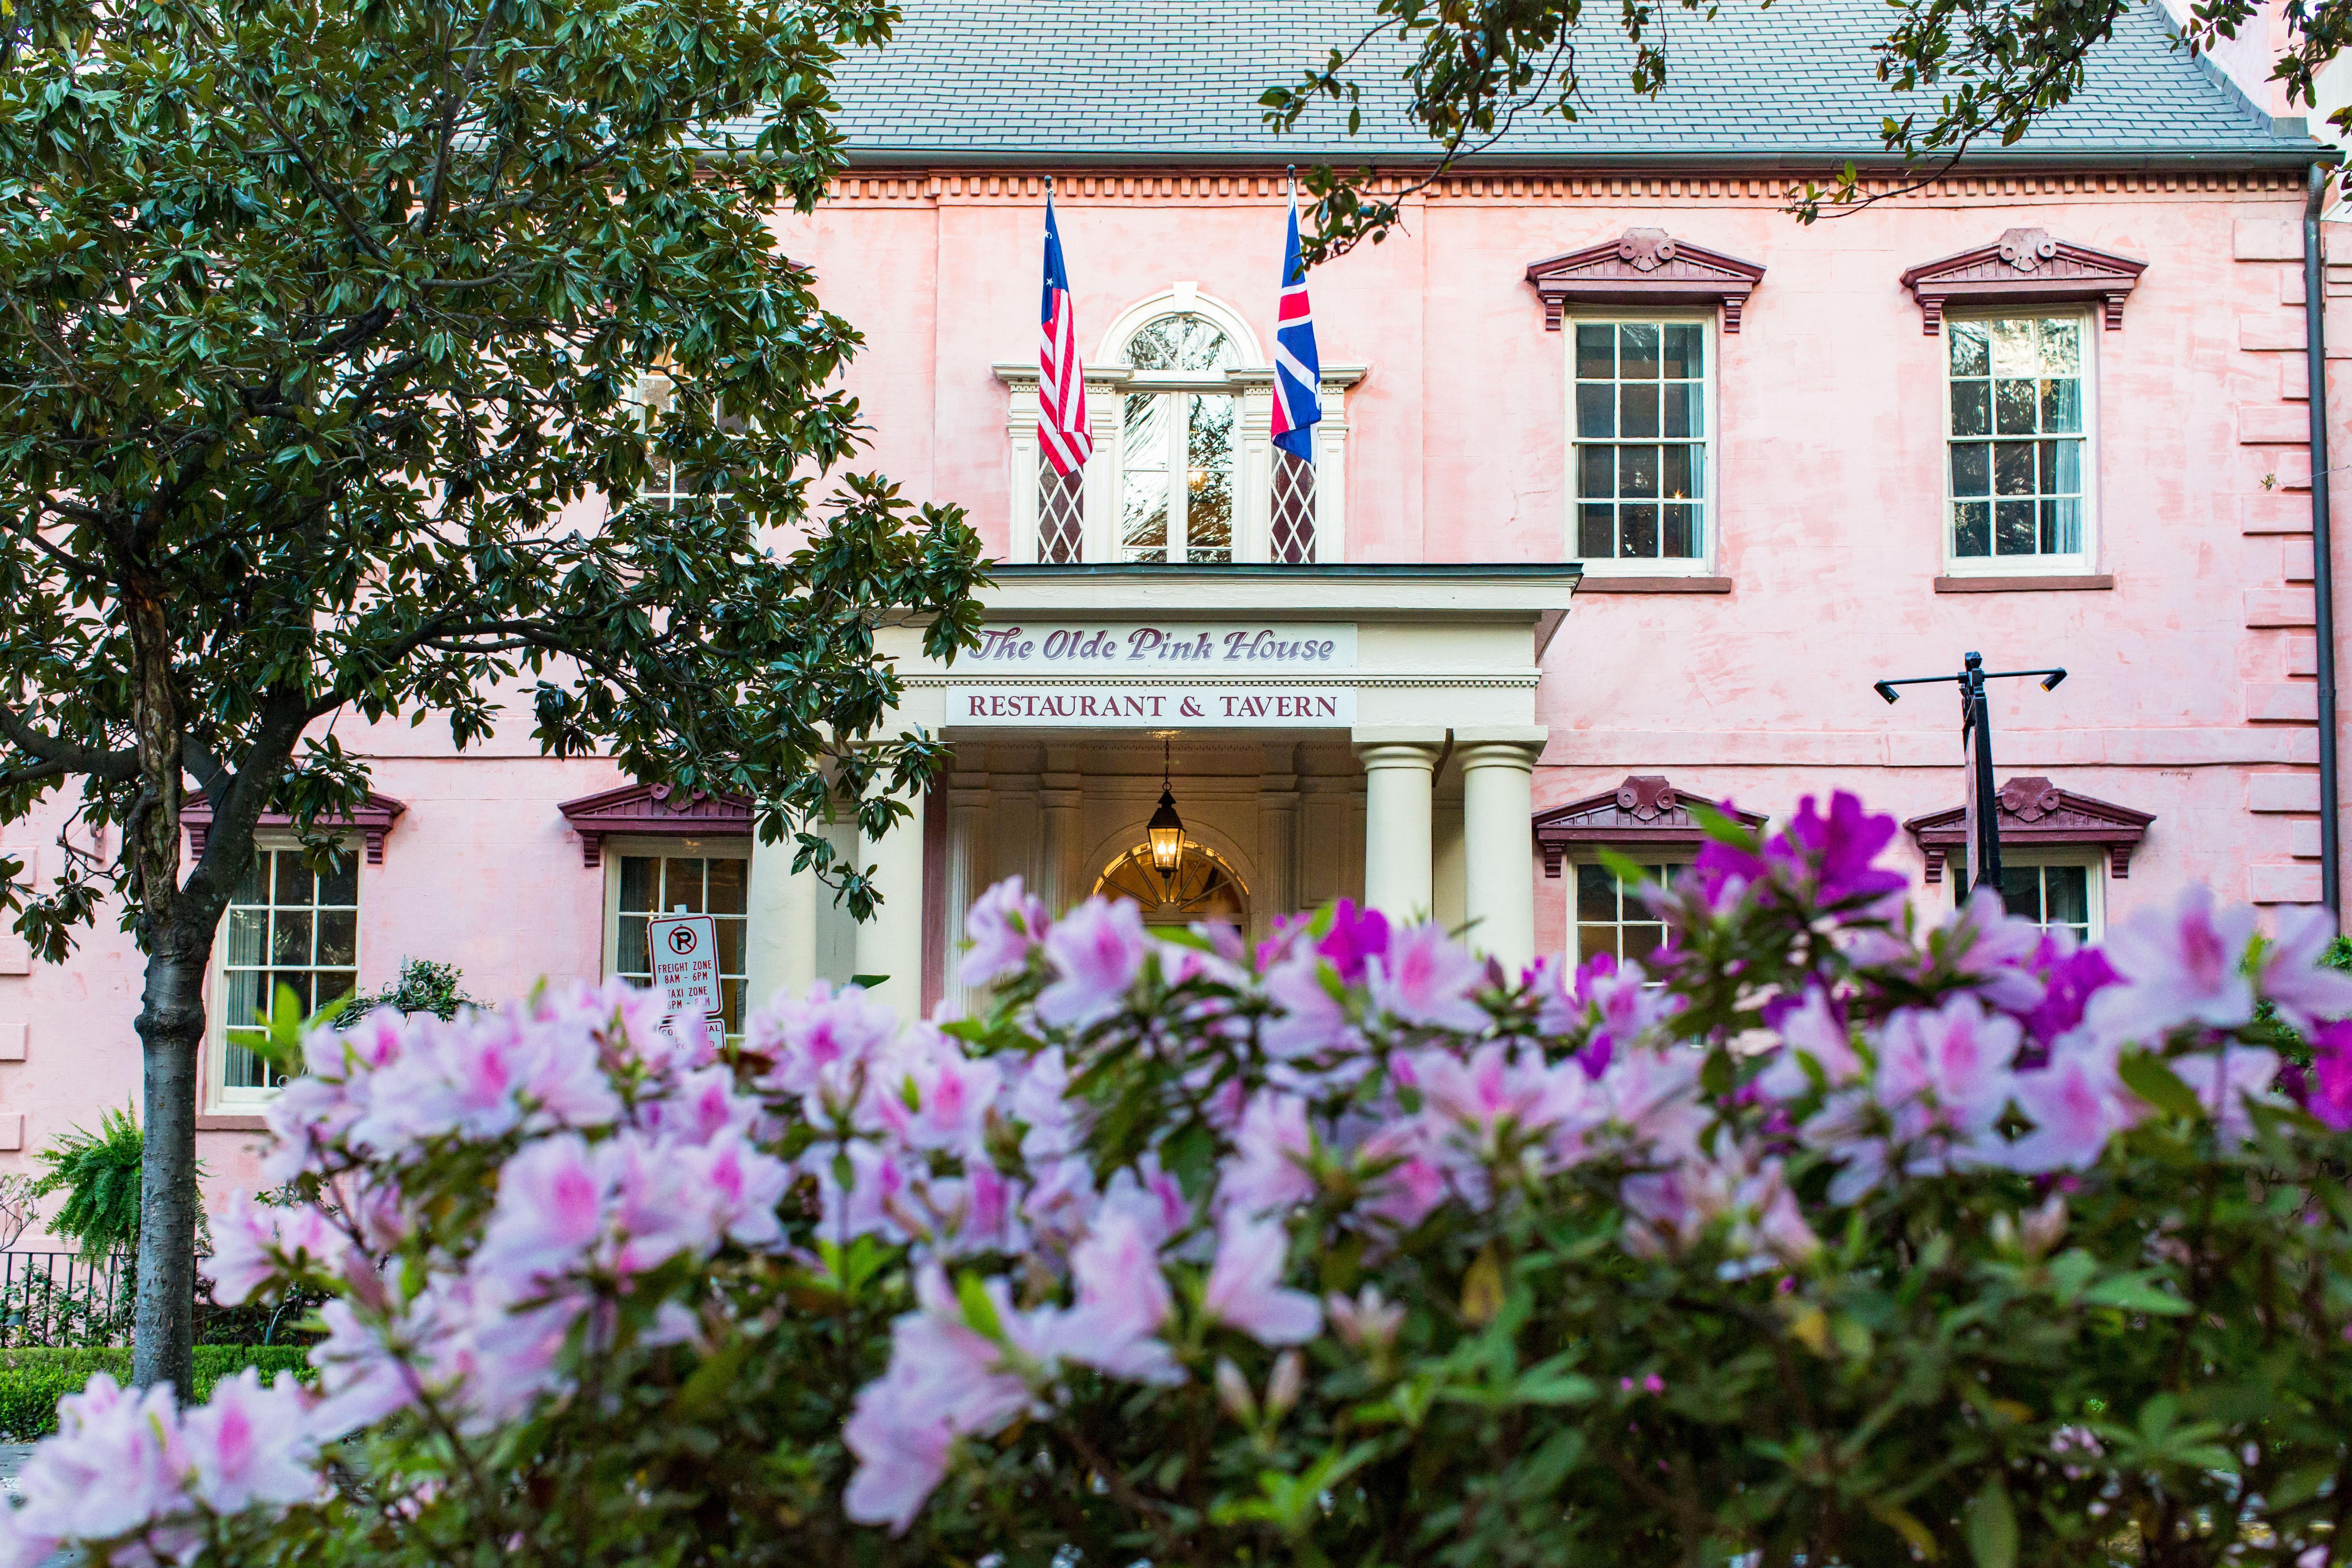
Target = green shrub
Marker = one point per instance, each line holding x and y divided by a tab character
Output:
33	1381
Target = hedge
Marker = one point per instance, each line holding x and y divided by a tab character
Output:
33	1381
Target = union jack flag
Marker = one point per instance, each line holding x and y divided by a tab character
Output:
1297	372
1061	380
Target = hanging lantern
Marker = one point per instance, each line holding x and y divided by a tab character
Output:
1166	829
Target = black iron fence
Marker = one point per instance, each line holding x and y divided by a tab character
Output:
65	1299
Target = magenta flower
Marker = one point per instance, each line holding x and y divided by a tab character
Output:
2305	990
1835	857
2068	989
1426	978
1246	1292
2180	966
1005	925
1356	938
2330	1097
1097	951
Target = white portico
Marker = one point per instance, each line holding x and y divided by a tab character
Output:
1324	732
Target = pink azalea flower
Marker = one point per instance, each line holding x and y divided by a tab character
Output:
902	1454
1367	1322
1246	1292
817	1042
1995	948
361	1379
250	1444
2077	1103
1149	1198
549	1210
1123	1300
1272	1149
1038	1097
1309	1019
1004	923
2180	966
1498	1088
243	1236
1813	1031
859	1184
928	1095
1949	1066
737	1188
1098	952
2226	1080
1426	978
2305	990
116	1464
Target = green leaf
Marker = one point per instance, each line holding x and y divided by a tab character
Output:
2147	1076
2135	1293
979	1311
1993	1527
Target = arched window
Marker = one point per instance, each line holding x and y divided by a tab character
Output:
1204	887
1176	433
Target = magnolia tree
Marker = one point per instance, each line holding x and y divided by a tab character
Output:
1821	1238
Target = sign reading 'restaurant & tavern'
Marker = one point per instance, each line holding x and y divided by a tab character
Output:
1161	674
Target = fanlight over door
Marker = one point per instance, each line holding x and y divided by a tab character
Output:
1204	887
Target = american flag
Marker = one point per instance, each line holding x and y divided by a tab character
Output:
1062	383
1297	372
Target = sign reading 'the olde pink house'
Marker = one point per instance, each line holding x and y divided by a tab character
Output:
1163	674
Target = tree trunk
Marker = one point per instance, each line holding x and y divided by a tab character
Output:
171	1027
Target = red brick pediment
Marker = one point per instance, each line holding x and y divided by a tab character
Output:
657	809
2023	266
1644	267
2037	814
1647	811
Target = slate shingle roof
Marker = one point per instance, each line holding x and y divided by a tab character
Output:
1151	80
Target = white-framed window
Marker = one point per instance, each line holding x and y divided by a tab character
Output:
2055	890
648	876
1183	469
2020	426
1641	441
676	483
287	925
1609	914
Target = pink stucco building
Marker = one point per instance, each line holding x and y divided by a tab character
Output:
1627	488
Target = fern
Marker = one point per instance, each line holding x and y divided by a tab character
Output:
99	1174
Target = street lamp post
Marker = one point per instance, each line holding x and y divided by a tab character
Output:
1983	813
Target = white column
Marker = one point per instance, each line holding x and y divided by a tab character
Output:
1498	845
968	870
891	944
1399	763
783	925
1060	799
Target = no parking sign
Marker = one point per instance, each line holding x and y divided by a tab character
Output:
686	961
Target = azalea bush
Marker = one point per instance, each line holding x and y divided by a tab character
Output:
1822	1236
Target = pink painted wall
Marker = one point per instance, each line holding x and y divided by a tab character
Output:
2192	676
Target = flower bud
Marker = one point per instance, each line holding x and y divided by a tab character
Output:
2044	1227
1282	1389
1234	1392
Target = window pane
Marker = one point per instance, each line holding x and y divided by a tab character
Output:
1679	534
1685	350
1180	342
630	957
1596	412
1675	472
2014	527
2012	468
243	1002
1681	413
1596	472
338	937
682	885
1209	499
290	937
1638	409
2020	891
640	883
1640	940
2066	896
1971	469
293	881
727	878
1970	355
1637	528
252	888
1596	351
2016	348
2014	407
1637	351
1637	472
341	884
1591	942
1144	504
2062	406
247	931
1971	408
1596	893
1971	528
730	934
2062	527
2062	347
1596	530
2064	474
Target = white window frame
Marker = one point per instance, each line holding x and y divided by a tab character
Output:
699	846
2094	860
1680	858
219	1098
1998	565
1250	382
1709	319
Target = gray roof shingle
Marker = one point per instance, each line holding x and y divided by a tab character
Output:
1178	81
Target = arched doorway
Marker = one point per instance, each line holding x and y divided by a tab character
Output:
1204	887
